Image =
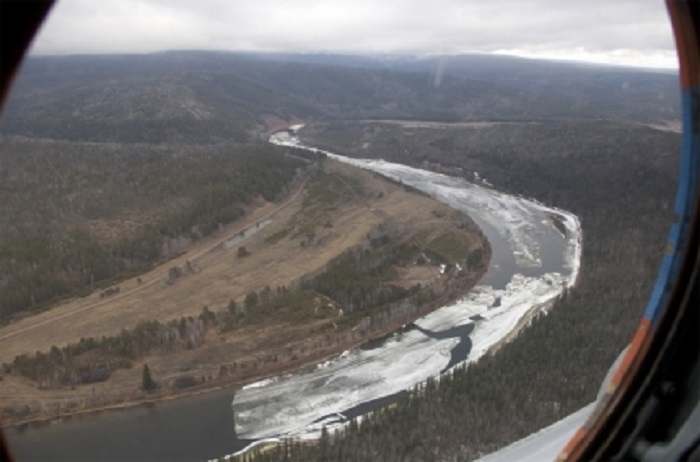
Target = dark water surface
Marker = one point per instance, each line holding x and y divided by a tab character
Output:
193	428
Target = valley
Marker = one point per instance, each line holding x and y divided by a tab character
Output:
339	208
156	225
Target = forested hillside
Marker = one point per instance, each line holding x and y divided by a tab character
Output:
583	90
83	214
199	97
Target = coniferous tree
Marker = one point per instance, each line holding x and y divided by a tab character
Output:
147	383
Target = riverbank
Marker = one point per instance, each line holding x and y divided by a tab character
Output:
255	345
344	341
532	263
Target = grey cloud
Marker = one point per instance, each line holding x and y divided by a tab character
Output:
414	26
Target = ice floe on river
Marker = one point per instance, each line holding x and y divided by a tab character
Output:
532	264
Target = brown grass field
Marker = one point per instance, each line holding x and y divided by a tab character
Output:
277	258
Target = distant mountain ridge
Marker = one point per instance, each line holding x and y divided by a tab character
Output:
210	97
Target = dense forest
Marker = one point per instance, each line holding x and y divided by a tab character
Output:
619	179
75	225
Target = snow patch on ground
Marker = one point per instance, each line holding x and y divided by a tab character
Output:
261	383
248	448
574	247
521	295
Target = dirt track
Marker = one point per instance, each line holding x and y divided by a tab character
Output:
153	277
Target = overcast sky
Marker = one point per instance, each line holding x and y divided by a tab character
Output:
628	32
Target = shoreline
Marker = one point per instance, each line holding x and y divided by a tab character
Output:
64	403
218	384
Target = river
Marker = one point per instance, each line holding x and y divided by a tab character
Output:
532	263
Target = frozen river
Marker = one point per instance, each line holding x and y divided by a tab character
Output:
532	263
